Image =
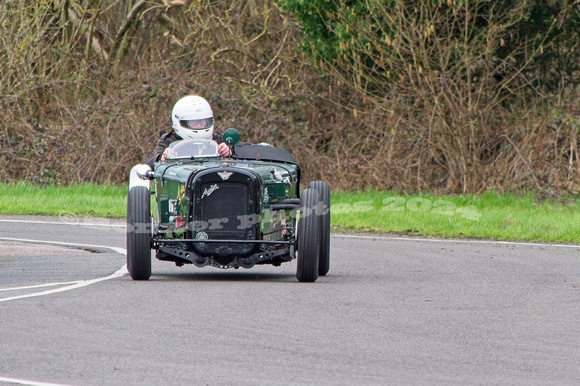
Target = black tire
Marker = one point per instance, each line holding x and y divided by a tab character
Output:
308	237
139	233
324	213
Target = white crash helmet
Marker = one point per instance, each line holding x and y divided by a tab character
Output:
192	118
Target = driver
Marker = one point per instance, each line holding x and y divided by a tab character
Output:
191	118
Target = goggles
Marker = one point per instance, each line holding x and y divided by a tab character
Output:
196	124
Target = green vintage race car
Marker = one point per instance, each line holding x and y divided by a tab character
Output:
198	208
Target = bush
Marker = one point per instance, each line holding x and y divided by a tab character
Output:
457	94
402	95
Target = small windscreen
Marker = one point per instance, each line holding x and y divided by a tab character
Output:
193	148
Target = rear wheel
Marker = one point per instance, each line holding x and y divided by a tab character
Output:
139	233
308	233
324	213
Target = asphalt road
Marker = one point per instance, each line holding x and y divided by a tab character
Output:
390	311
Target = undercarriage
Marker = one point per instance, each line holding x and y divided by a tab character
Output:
183	252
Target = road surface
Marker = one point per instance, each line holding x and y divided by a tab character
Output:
392	310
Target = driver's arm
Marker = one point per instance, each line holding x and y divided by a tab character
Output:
224	150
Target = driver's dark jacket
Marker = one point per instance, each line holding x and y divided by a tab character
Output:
168	138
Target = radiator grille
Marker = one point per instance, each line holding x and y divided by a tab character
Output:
223	208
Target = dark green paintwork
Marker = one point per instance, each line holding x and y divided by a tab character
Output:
171	178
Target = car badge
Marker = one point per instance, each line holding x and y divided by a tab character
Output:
201	236
225	175
208	191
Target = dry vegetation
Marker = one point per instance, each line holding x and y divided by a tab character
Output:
86	87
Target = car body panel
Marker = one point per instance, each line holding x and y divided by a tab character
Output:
246	198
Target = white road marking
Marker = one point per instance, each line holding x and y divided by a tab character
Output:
38	286
120	272
70	285
87	224
387	238
122	251
27	382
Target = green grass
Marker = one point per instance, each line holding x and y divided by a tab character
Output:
488	216
79	199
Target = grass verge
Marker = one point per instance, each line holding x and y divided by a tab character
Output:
488	216
78	199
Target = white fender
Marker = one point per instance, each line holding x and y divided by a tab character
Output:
135	180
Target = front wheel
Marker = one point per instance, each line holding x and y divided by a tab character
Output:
139	233
308	234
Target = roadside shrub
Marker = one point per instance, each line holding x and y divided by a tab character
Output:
407	96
